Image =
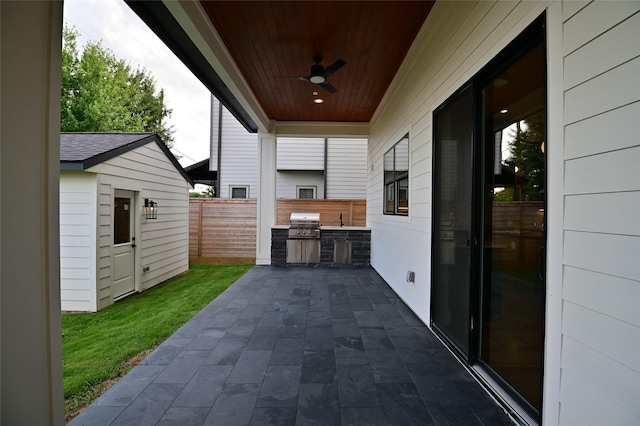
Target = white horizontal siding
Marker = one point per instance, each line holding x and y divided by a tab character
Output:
239	153
288	181
78	241
346	169
600	357
300	154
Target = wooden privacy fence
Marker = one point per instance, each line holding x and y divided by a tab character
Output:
224	230
354	212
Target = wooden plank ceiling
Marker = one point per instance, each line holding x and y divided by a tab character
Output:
273	40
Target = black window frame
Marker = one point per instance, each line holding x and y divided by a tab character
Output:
396	182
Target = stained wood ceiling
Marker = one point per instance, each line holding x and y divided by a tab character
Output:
273	40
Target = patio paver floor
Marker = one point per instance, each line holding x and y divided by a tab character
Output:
299	346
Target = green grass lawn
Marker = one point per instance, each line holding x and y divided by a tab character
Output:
97	347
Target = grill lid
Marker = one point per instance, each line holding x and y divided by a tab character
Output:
304	219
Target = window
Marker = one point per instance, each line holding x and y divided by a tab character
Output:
306	192
239	191
396	178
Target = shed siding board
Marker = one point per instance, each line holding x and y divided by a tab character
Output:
599	180
300	154
239	157
346	168
78	241
104	249
163	242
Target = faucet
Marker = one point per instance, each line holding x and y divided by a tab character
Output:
340	220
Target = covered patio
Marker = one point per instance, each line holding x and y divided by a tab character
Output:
300	345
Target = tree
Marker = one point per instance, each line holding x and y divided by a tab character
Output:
101	93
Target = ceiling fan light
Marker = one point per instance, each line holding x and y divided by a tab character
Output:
317	79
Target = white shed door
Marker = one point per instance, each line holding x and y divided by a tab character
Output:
123	245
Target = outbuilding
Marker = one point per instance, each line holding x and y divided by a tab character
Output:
124	217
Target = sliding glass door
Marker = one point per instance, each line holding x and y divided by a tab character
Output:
453	154
489	237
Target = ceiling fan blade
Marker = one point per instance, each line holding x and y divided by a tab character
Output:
334	67
328	87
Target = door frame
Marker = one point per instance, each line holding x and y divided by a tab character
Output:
135	235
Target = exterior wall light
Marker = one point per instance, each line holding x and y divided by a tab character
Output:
150	209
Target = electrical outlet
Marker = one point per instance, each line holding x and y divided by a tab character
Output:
411	277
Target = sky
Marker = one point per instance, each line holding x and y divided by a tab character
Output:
120	30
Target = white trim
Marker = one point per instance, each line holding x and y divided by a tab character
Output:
234	187
313	189
555	208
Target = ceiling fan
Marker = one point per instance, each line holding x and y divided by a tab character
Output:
319	73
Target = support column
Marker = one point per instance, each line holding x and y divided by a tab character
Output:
267	156
31	352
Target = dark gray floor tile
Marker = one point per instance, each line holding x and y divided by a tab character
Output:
403	405
346	347
280	386
234	405
277	416
97	415
203	389
359	416
318	367
271	320
288	351
207	339
223	320
345	327
263	339
293	325
242	327
387	367
356	387
184	416
227	351
130	386
318	405
251	367
183	367
192	328
492	415
367	319
167	352
375	338
454	415
360	304
150	405
319	338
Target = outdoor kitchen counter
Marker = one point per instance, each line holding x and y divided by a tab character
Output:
333	239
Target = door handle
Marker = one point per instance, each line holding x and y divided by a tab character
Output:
541	264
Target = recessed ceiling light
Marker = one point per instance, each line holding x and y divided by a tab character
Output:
318	100
504	111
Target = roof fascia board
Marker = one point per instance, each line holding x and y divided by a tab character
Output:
329	129
194	21
71	166
161	21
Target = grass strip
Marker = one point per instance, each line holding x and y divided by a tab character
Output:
98	347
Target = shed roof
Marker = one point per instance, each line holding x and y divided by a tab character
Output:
80	151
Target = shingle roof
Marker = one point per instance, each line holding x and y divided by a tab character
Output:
79	151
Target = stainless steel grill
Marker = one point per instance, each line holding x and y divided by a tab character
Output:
304	225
